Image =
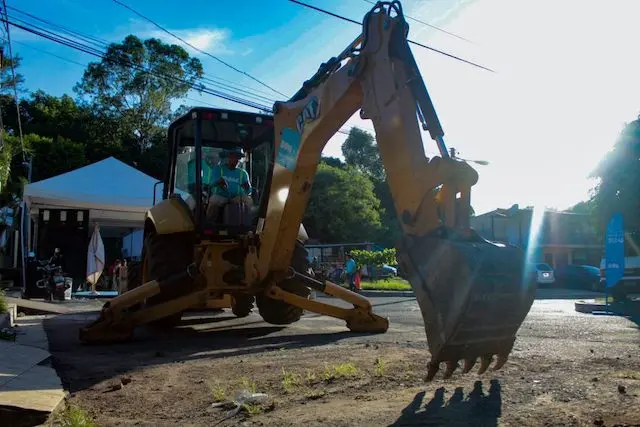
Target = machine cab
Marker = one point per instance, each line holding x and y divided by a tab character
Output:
200	143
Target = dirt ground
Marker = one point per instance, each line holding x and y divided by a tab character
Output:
314	374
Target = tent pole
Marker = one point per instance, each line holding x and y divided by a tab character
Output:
24	269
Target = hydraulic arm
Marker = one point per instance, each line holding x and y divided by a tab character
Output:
470	291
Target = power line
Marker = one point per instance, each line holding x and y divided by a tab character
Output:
196	101
95	52
428	25
353	21
80	64
198	49
91	51
105	44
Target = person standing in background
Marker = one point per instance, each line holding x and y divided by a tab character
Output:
350	269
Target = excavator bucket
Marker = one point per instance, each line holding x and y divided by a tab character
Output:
473	297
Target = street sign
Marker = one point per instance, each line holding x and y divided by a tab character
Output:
614	250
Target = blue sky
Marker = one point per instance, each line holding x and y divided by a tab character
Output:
566	76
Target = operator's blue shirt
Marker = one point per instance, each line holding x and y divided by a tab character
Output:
351	266
234	178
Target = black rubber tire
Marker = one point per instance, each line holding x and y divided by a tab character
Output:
168	254
241	305
279	312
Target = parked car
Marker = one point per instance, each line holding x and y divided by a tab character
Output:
388	270
383	272
578	277
541	273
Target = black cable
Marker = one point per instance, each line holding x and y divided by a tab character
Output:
94	52
72	43
69	31
62	58
80	64
427	24
335	15
199	50
104	44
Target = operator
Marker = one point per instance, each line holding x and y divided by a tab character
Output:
230	182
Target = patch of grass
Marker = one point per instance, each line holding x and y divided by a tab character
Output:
342	370
390	284
380	367
73	416
218	392
311	377
290	381
248	385
252	409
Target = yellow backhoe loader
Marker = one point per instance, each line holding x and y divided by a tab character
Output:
470	291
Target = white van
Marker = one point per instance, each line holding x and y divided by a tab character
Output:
542	273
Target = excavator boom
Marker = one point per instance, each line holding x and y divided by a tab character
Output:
471	292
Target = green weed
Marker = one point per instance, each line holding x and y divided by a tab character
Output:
289	380
218	392
342	370
380	367
73	416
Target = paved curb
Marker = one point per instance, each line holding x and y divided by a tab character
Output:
31	389
377	294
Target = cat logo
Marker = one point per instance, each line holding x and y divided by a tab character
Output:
310	113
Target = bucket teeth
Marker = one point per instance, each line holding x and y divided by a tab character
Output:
432	370
451	367
485	361
471	296
468	365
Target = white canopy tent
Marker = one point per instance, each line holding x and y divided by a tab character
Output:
114	192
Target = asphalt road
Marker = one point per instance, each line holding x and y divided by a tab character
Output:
551	327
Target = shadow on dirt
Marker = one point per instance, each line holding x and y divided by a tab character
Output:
478	409
82	366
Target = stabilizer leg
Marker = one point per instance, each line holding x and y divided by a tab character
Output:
118	319
360	318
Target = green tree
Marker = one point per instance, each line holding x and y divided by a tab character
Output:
53	156
360	151
135	84
618	172
342	206
6	75
333	161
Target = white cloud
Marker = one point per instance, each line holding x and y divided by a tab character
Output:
214	41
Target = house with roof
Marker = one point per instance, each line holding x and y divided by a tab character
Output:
556	238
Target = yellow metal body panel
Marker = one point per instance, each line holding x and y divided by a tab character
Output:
170	216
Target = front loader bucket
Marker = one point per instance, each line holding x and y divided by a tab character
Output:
472	295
